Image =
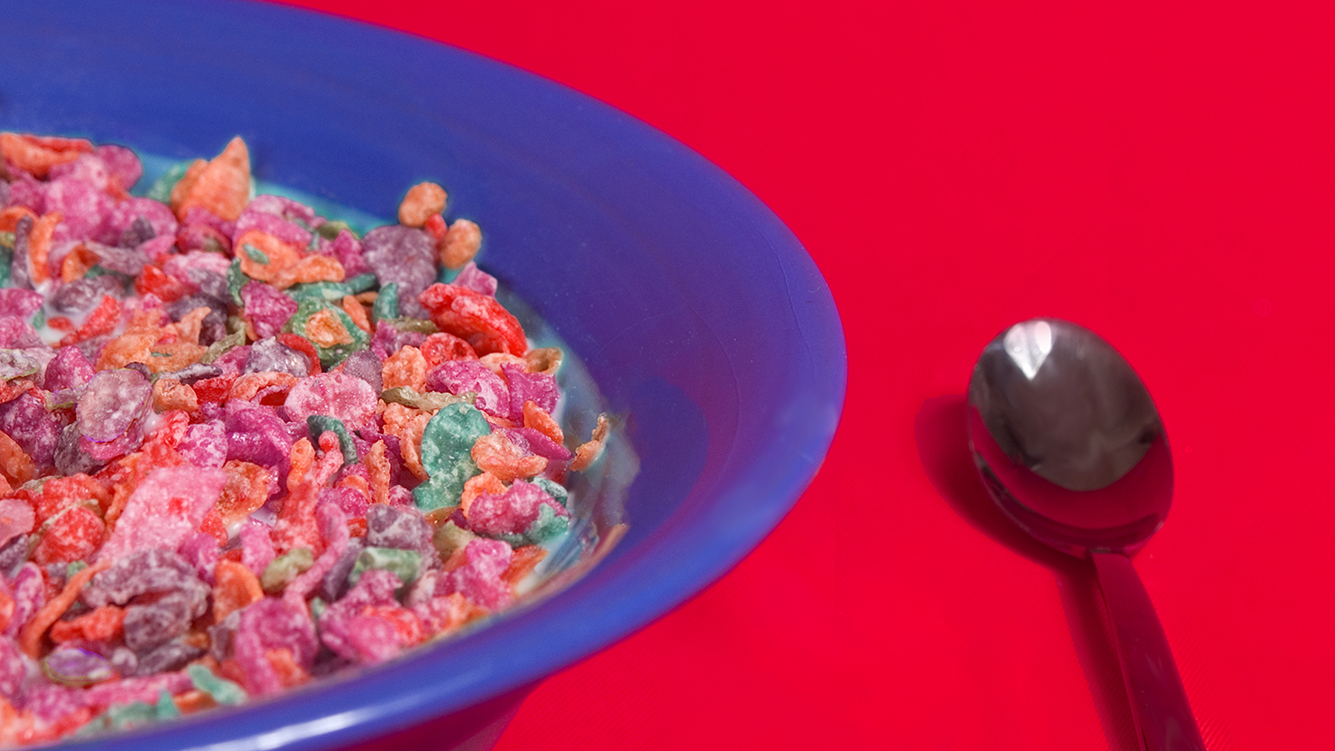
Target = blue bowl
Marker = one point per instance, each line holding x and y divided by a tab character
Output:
703	321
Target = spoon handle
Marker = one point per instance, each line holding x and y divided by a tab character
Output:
1164	721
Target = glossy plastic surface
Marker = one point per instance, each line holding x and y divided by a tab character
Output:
700	316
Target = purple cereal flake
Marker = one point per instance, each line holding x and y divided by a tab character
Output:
204	445
71	456
257	550
192	237
480	579
270	224
146	571
33	428
139	232
113	400
266	308
193	373
476	279
511	512
180	265
200	550
255	434
460	376
122	164
346	397
15	363
347	250
171	656
402	528
128	261
13	670
272	356
158	215
405	256
21	303
150	626
538	388
365	365
29	596
83	206
153	514
28	192
82	295
335	581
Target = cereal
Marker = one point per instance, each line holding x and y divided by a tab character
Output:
241	446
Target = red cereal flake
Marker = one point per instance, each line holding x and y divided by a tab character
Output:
215	390
152	280
304	346
476	318
407	626
102	624
76	535
440	347
9	218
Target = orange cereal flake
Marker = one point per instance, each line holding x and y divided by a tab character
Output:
169	394
15	465
476	485
497	454
536	417
9	218
407	367
38	154
461	244
422	202
589	452
221	185
234	587
326	330
245	489
102	624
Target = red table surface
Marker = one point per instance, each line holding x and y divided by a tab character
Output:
1161	173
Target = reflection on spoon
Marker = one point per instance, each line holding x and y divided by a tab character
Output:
1072	449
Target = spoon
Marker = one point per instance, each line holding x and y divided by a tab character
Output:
1071	448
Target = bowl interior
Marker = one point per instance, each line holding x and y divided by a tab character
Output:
703	322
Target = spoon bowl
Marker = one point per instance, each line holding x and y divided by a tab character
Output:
1071	447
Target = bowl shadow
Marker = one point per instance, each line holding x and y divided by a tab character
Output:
943	448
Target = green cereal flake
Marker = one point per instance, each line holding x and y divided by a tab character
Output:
318	424
430	401
222	690
6	260
255	254
286	567
420	325
451	538
220	347
402	563
236	279
162	187
441	491
318	606
545	527
329	356
553	489
330	230
449	437
386	303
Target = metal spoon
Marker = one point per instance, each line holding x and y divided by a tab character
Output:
1071	447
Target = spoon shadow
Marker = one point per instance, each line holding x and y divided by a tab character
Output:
943	448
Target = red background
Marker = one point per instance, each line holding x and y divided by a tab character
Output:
1160	172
